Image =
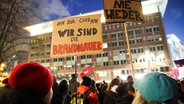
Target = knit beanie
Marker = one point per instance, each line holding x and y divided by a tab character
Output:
31	76
157	87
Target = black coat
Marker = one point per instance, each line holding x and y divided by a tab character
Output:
124	99
12	96
109	98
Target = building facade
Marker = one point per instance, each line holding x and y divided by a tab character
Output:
175	48
147	40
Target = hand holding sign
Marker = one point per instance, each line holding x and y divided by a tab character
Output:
88	70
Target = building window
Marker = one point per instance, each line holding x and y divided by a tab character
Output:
152	49
42	54
32	55
47	60
105	64
98	55
105	54
122	25
132	41
89	56
147	20
113	35
130	32
68	58
104	37
160	48
157	18
140	50
83	65
138	40
123	61
113	26
114	44
149	30
42	61
55	59
155	29
133	51
150	39
117	25
120	34
121	43
48	53
137	31
36	54
116	62
48	45
60	59
83	56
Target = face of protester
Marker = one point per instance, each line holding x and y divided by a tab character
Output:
48	97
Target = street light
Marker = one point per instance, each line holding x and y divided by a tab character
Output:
2	66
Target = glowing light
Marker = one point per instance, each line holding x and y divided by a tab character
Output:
149	10
2	65
105	45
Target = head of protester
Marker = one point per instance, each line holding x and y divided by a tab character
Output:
155	88
130	78
31	84
113	85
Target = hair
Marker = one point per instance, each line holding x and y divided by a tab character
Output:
129	78
63	85
114	81
73	76
129	86
138	99
86	81
121	88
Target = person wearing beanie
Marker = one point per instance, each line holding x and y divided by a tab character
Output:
86	86
156	88
31	84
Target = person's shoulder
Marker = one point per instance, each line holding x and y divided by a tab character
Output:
6	91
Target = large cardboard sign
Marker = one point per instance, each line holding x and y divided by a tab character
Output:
123	11
77	36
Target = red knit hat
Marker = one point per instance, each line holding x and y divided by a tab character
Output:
32	76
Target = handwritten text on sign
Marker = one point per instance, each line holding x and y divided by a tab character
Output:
77	36
123	11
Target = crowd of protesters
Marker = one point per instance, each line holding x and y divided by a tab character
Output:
32	83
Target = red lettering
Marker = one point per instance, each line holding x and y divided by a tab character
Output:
74	48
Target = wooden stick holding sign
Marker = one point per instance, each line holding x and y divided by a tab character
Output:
129	50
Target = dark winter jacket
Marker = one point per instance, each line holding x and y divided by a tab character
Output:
109	98
61	96
12	96
124	99
72	88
